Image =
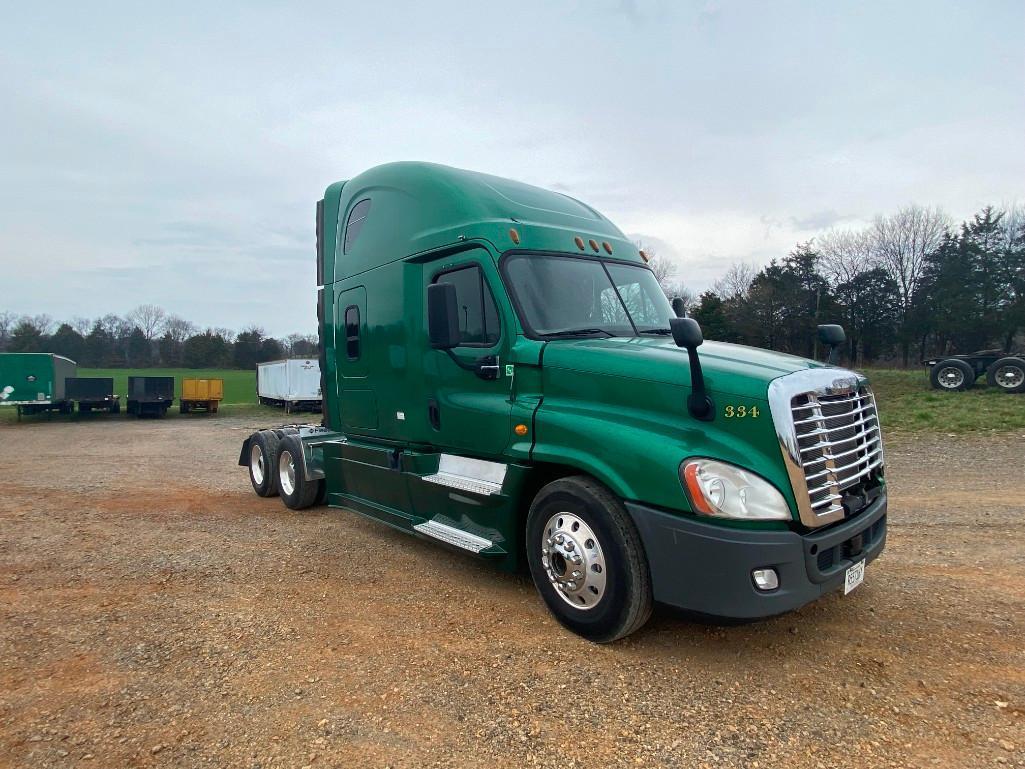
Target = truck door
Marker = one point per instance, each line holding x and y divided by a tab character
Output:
468	408
357	403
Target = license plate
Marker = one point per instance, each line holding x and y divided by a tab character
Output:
854	577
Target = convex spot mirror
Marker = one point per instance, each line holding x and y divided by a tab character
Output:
443	316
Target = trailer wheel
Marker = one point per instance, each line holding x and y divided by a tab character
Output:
296	492
1008	374
952	374
587	560
263	458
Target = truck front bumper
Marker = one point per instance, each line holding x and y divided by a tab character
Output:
706	568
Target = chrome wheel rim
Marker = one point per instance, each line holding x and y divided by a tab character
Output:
950	377
1009	377
573	559
256	464
286	472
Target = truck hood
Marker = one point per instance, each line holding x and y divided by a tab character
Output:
728	368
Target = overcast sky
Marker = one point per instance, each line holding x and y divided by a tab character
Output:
175	156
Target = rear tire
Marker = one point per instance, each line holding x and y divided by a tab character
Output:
1008	374
587	560
263	463
952	375
296	492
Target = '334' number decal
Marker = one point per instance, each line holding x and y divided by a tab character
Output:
741	412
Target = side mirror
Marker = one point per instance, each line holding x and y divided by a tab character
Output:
442	316
679	307
832	336
686	332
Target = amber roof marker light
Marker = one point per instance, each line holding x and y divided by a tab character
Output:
514	236
607	246
644	256
579	241
593	244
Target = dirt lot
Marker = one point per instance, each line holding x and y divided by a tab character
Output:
154	612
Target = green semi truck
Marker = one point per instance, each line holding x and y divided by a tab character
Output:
34	382
503	375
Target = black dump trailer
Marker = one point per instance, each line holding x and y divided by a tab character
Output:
1003	370
92	393
150	395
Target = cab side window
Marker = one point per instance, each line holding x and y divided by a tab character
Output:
478	314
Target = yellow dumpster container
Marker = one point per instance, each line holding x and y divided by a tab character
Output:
201	395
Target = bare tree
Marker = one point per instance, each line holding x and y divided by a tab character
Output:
901	242
736	281
846	254
150	319
178	329
7	321
82	325
664	269
42	323
678	289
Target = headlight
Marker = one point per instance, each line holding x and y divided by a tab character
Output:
725	491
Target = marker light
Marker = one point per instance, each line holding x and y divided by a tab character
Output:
722	490
520	429
644	256
514	236
593	244
607	246
579	241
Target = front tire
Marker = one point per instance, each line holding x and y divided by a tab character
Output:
587	560
952	375
1008	374
296	492
263	463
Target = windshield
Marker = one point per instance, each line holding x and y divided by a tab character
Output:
570	296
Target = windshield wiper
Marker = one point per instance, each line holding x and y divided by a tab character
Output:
578	332
662	331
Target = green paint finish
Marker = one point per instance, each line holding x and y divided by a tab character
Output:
33	378
612	408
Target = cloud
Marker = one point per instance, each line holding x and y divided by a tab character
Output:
175	156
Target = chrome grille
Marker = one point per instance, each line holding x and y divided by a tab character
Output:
828	427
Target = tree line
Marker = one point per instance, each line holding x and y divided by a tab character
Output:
148	337
909	286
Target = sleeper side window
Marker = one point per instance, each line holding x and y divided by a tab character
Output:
352	332
357	216
478	314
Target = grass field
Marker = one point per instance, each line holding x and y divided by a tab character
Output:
239	386
906	402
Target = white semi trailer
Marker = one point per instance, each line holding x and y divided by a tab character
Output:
293	383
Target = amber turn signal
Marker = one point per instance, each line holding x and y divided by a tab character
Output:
520	429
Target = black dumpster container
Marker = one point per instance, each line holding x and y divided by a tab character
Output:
92	393
150	395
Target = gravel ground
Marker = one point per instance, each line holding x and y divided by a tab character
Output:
154	612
